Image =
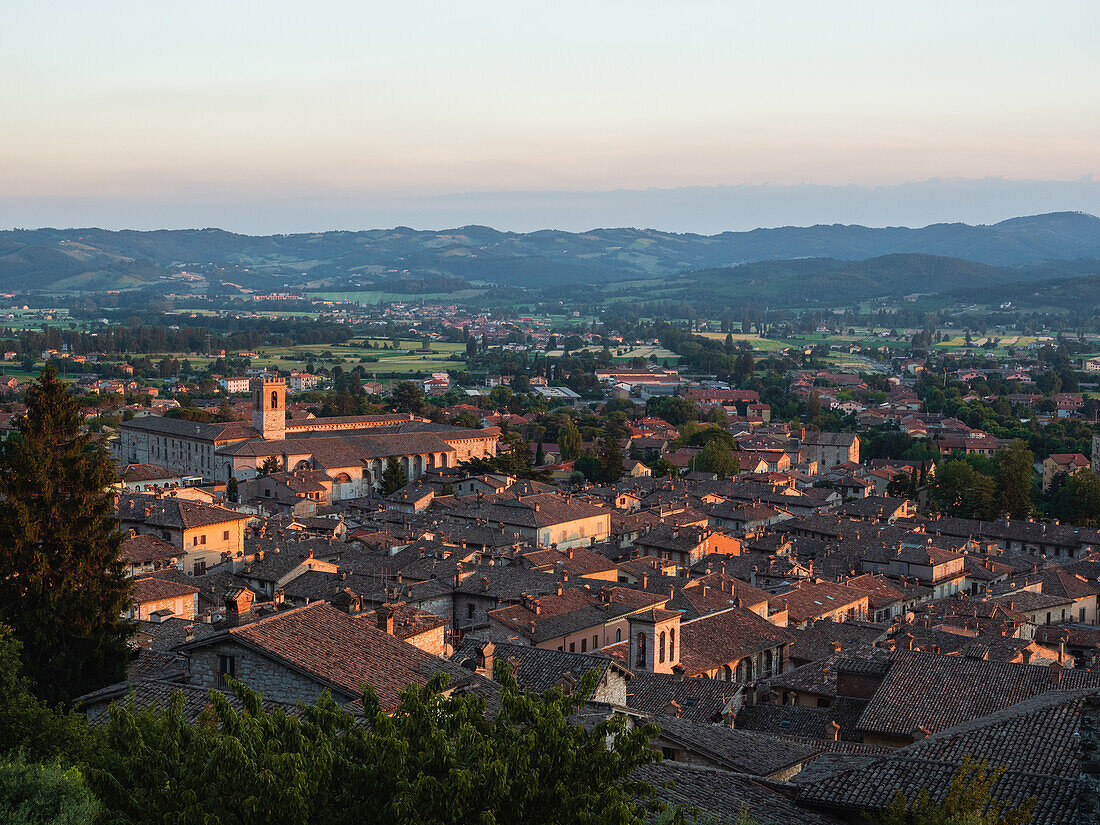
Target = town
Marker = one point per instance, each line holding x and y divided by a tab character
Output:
828	566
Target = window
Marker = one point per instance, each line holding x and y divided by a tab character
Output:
669	754
572	647
225	535
469	611
641	650
200	568
672	644
595	642
584	645
274	400
661	649
227	666
619	631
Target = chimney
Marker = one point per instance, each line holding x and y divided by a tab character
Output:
485	659
385	619
1056	673
834	731
560	588
237	604
907	641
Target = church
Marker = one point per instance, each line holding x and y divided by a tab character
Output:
352	450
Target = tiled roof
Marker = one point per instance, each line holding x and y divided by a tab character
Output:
146	472
733	749
809	600
151	588
803	721
1052	774
156	694
932	692
825	637
344	653
722	794
173	513
143	548
702	700
539	669
723	638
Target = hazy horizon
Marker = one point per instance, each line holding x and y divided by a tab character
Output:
704	210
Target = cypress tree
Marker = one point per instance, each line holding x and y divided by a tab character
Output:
393	477
62	585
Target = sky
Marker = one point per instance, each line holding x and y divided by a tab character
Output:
690	116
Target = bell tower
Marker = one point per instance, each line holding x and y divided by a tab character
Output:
269	407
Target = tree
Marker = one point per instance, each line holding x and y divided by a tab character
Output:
1014	468
439	759
1077	500
62	586
717	458
232	492
968	800
611	454
540	456
393	477
407	397
960	490
27	724
569	441
33	794
271	465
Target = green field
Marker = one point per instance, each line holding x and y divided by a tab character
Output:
758	343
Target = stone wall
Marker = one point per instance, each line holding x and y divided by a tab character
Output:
268	676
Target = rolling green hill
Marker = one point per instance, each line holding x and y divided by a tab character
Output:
46	259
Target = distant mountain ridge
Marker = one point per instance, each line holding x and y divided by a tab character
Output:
76	259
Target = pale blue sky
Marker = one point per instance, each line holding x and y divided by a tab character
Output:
291	115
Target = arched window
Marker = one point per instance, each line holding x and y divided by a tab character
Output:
274	400
619	634
726	674
661	649
641	650
672	644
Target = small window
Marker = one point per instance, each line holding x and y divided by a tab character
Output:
200	568
584	645
595	642
469	611
572	647
618	634
669	754
225	535
227	666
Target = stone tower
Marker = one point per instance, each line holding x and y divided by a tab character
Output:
654	644
269	407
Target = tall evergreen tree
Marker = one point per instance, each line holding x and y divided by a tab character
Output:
393	477
62	586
